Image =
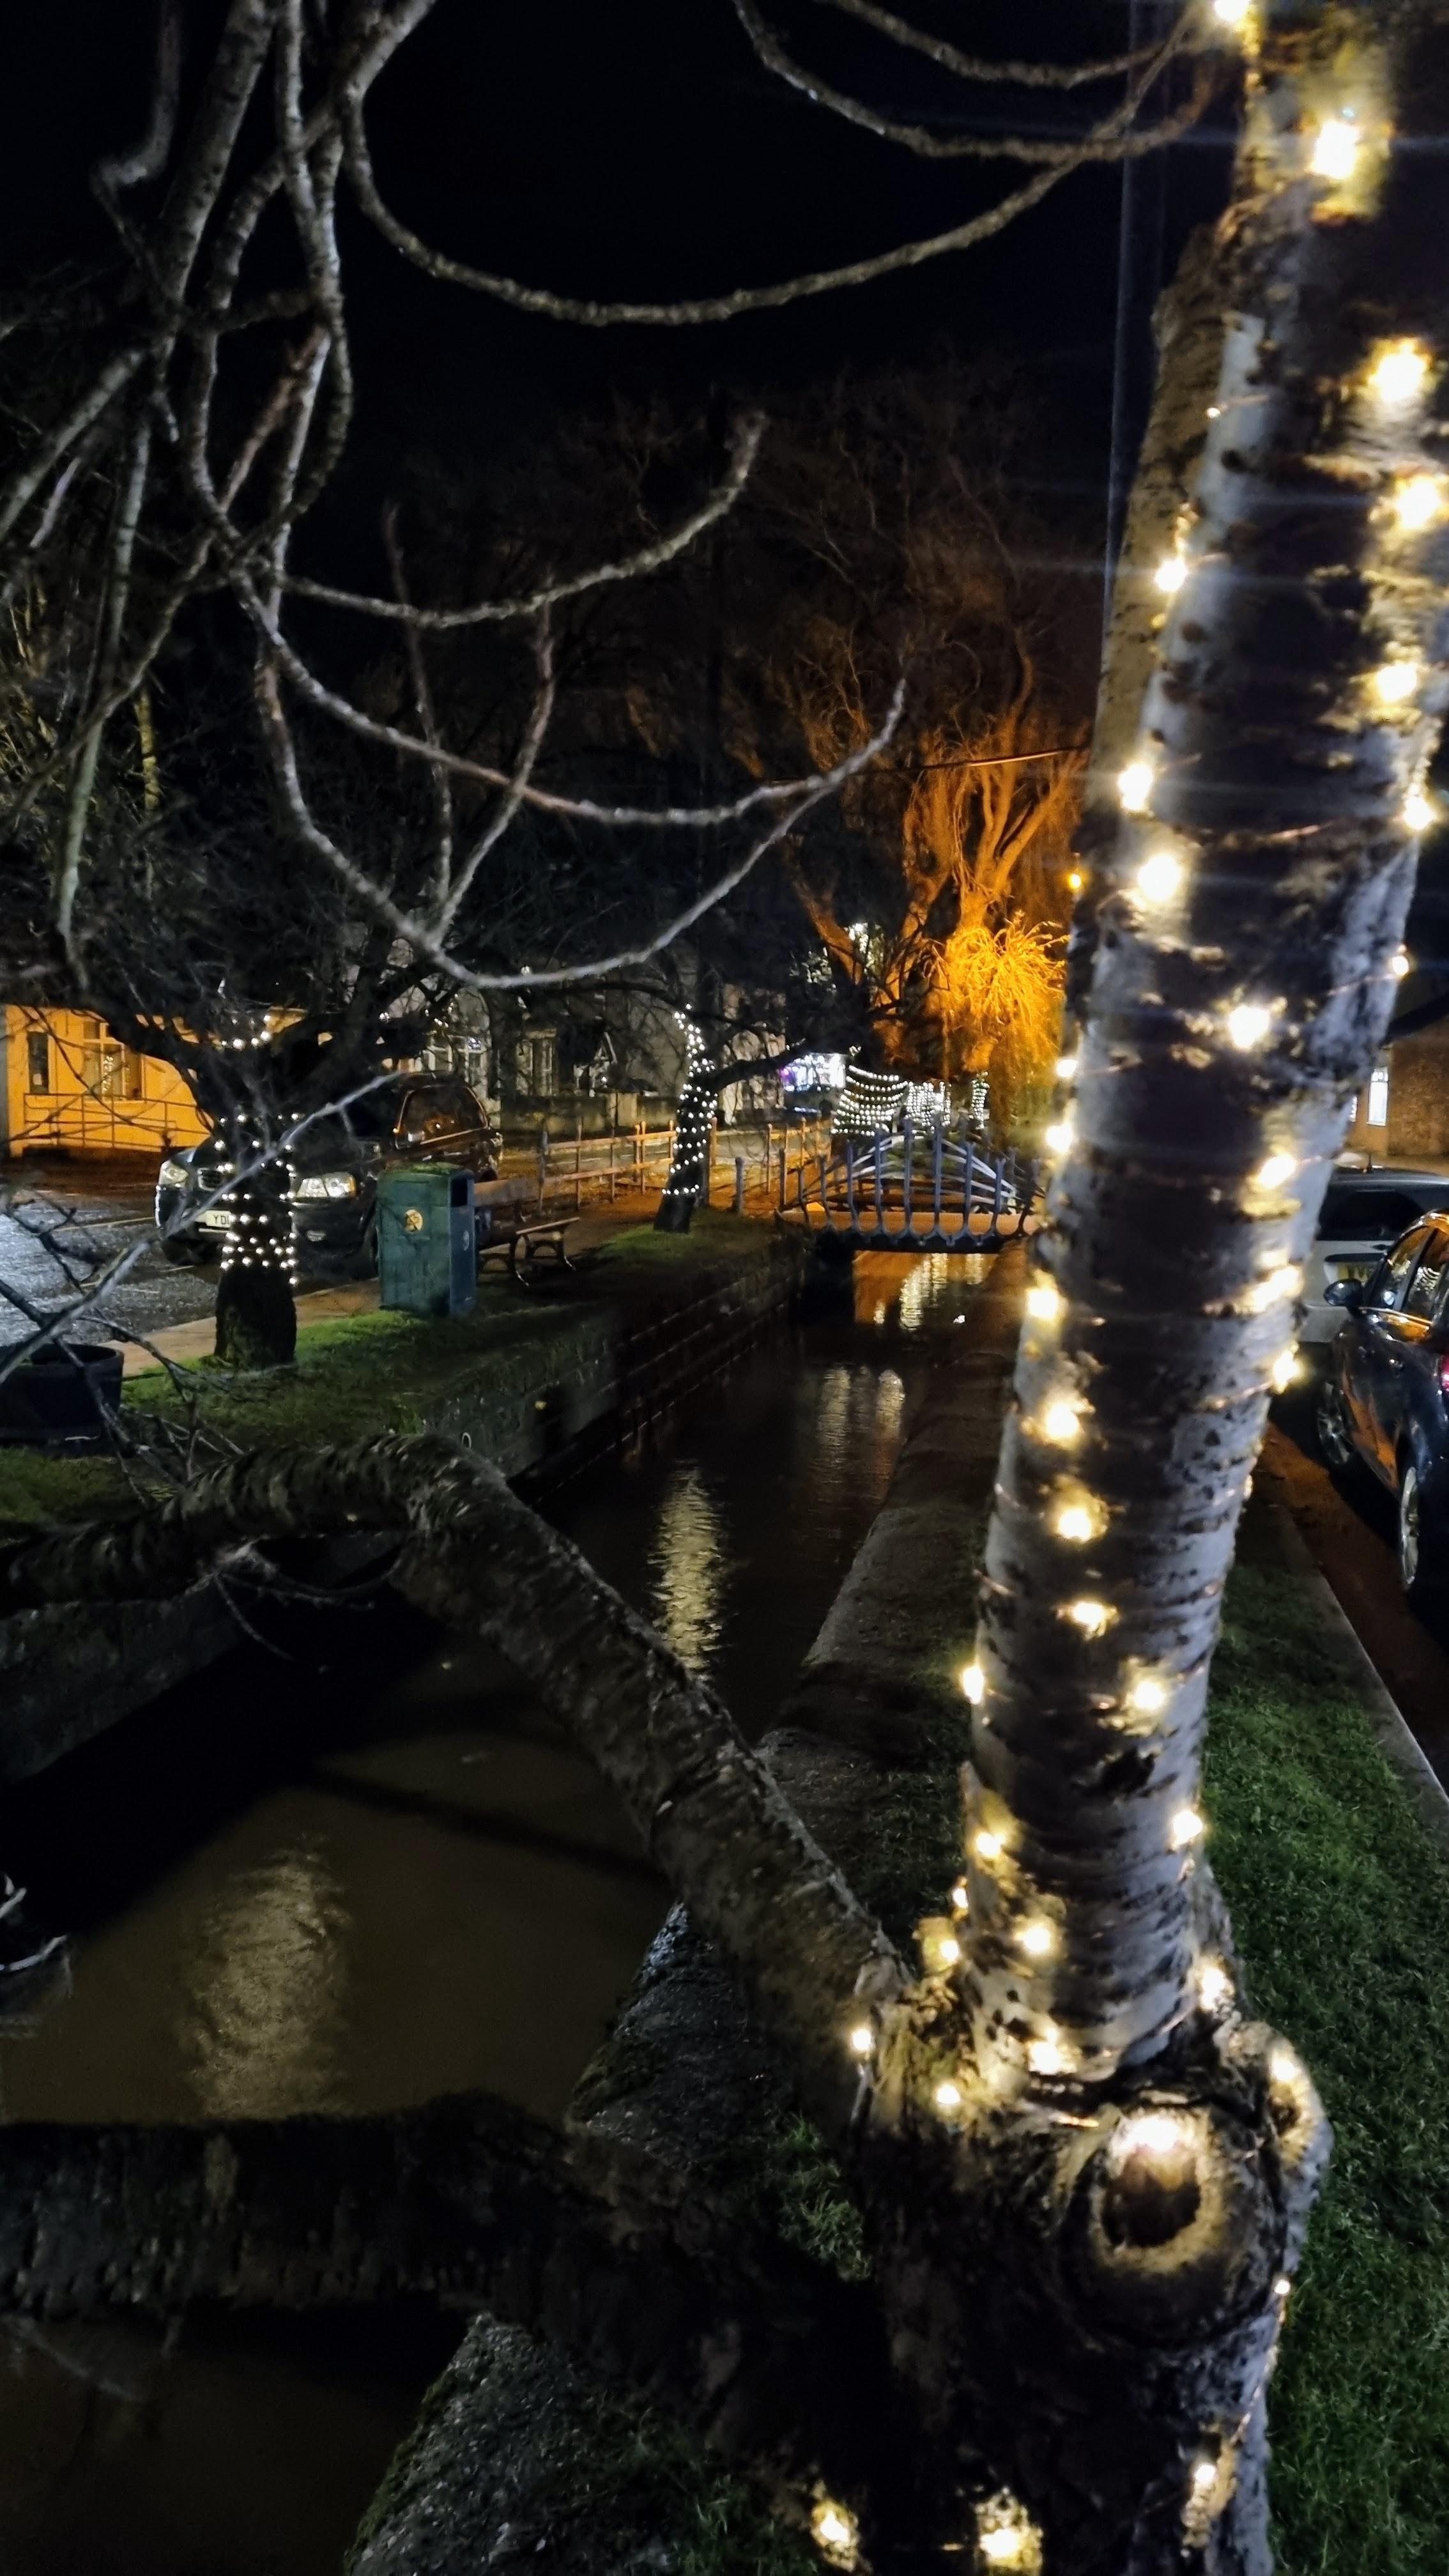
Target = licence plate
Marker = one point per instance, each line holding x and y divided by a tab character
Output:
1352	1269
216	1217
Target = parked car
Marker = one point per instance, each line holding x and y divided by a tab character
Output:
1363	1213
411	1118
1384	1399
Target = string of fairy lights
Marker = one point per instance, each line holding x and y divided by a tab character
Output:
262	1235
1343	149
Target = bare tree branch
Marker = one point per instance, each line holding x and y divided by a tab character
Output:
744	447
707	1809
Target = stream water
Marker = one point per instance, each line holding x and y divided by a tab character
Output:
353	1867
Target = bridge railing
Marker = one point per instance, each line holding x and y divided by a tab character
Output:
918	1189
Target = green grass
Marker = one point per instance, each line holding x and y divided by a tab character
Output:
715	1233
1341	1908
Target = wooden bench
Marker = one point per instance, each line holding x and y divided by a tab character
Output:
524	1247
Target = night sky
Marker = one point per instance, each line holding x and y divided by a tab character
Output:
639	148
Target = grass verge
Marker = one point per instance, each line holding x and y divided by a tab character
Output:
1341	1907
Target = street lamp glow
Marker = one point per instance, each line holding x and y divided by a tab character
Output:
1160	877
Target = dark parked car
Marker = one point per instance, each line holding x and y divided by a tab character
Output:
1363	1213
1384	1399
411	1118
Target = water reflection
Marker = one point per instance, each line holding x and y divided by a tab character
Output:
916	1292
264	1985
687	1569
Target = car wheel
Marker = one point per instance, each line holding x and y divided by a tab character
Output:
1421	1544
1335	1439
362	1264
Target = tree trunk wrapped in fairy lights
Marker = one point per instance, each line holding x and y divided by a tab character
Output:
1083	2172
688	1177
256	1310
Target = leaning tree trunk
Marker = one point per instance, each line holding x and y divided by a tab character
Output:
1132	2160
688	1177
256	1305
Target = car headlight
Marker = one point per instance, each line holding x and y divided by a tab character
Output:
173	1176
327	1185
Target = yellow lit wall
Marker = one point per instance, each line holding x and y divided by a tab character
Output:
69	1085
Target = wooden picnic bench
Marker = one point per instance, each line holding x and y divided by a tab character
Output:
524	1247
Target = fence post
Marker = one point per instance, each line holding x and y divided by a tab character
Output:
936	1175
739	1185
908	1139
784	1149
542	1164
578	1160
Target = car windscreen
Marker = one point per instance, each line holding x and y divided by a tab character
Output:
372	1115
1352	1214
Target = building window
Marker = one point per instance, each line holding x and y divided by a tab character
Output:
37	1055
539	1065
1378	1096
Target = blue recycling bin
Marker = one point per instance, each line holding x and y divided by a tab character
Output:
427	1249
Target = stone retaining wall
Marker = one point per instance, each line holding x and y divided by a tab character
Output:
537	1408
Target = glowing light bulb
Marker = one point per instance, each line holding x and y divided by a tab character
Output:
947	1949
1418	810
947	2096
1214	1985
1171	573
973	1683
1283	2067
1134	786
1185	1826
1066	1065
1282	2287
1418	500
1398	372
988	1846
961	1897
1248	1024
1274	1290
1231	13
1075	880
862	2040
1037	1938
1058	1138
1045	1302
834	2529
1007	2537
1061	1423
1160	877
1400	964
1284	1370
1394	683
1335	149
1278	1168
1049	2055
1204	2475
1074	1522
1094	1618
1149	1696
1157	2135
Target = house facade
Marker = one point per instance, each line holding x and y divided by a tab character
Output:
66	1085
1402	1114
